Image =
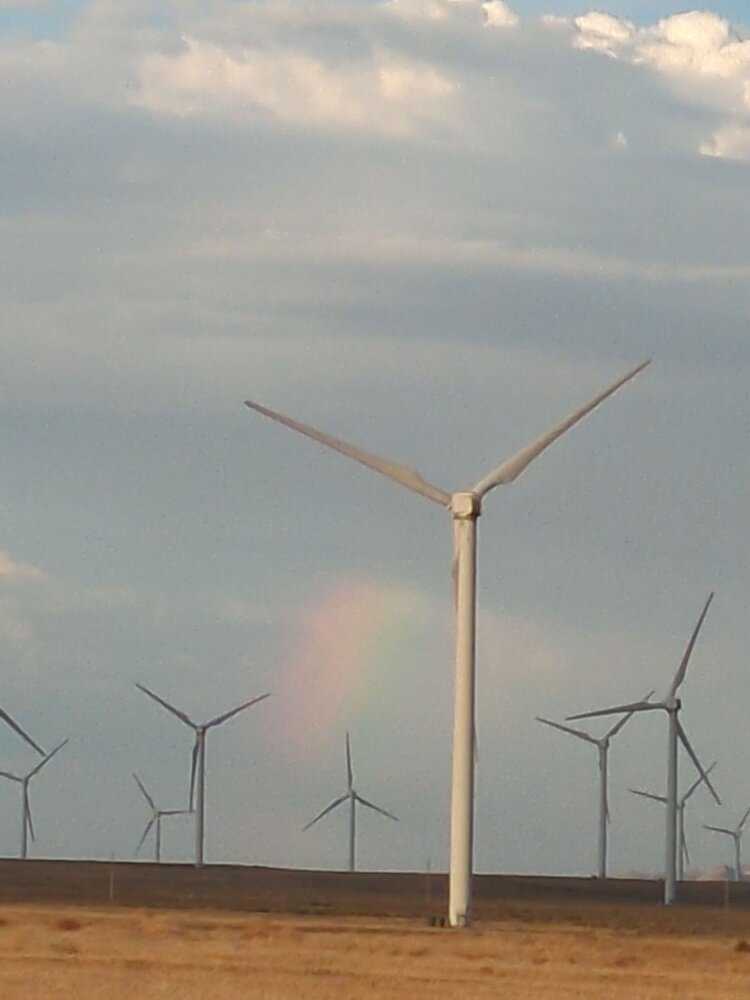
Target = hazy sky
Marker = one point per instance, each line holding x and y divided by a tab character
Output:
431	227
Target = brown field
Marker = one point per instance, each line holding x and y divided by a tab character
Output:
531	950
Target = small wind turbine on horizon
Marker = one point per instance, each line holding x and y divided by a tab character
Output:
683	857
352	797
155	821
736	835
602	744
198	763
465	508
27	824
676	735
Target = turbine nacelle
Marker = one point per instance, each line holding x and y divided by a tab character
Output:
465	506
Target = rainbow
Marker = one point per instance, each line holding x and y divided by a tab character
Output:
349	649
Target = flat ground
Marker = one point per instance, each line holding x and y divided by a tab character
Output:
534	951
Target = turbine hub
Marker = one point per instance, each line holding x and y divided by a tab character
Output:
466	506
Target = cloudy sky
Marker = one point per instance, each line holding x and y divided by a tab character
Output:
432	227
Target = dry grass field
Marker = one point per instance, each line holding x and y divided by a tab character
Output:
533	951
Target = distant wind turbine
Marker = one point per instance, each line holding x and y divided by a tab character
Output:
155	821
602	744
736	835
465	509
27	824
671	705
683	856
198	765
352	797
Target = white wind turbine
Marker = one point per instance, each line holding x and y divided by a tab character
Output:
676	735
352	797
465	508
27	824
602	744
198	765
736	835
683	856
155	821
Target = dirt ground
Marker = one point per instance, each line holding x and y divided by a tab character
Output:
533	951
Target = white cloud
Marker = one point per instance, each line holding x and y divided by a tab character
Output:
730	142
499	14
384	93
17	572
603	33
698	55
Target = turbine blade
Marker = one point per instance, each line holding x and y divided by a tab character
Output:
679	677
512	468
744	820
685	852
165	704
719	829
349	771
174	812
29	820
145	793
193	769
694	757
235	711
371	805
697	783
636	706
10	721
626	718
567	729
11	777
648	795
145	833
475	738
402	474
333	805
45	760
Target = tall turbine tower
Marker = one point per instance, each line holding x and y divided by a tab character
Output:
352	797
27	824
736	835
465	508
683	856
676	734
198	765
602	745
155	821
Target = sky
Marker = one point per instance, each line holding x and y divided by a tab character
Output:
432	227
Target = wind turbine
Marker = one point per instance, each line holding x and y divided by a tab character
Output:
602	745
156	818
27	824
683	857
353	797
198	765
736	835
465	508
671	705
